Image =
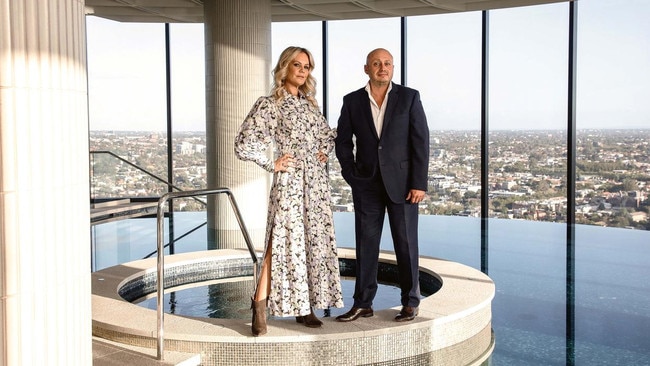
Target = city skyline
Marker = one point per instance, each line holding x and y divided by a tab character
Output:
528	47
527	173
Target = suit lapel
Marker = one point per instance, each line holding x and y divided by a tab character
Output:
367	111
393	97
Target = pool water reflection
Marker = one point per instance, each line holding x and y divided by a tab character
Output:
232	299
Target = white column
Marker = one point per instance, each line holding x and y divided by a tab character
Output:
45	309
237	51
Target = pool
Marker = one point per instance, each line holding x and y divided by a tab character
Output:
231	299
453	325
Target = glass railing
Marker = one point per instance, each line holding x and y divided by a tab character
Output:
113	177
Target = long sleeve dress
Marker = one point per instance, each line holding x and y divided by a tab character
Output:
300	229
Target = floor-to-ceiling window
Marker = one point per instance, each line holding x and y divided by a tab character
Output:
132	154
527	93
527	176
444	65
613	176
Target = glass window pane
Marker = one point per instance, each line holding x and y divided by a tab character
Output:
528	112
444	64
612	168
127	113
187	65
527	176
613	140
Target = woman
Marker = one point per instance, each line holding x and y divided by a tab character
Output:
300	268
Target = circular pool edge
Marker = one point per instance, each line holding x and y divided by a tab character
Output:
453	325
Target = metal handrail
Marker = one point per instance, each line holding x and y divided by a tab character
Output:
161	254
144	170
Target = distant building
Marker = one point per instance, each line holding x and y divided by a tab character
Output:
198	148
508	185
639	216
184	148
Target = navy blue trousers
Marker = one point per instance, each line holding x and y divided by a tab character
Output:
371	203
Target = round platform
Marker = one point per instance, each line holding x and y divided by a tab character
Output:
453	326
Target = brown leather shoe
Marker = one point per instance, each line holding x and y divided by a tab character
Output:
355	313
407	313
310	320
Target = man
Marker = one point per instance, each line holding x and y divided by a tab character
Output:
386	125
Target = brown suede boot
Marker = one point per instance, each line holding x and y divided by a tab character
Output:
310	320
259	317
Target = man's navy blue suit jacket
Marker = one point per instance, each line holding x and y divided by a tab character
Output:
400	154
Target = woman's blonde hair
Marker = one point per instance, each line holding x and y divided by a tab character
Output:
280	74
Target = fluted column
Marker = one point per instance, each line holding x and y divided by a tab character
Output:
237	51
45	310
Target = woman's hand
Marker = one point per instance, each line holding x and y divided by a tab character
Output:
284	162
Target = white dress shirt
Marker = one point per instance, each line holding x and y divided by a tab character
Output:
378	111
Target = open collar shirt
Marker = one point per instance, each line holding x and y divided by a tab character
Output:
377	110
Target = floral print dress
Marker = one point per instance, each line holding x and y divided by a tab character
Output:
300	229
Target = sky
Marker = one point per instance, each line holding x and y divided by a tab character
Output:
528	67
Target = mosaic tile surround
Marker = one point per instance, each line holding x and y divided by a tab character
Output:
453	326
144	285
